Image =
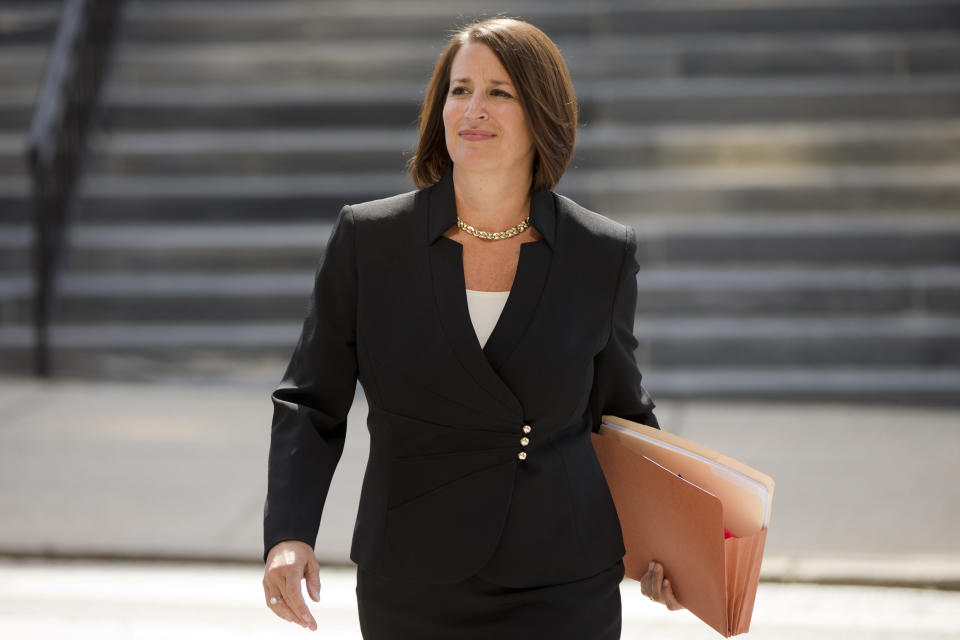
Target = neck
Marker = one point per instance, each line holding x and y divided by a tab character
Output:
492	204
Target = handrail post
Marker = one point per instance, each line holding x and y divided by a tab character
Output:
65	107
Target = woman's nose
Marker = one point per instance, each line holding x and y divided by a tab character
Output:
476	108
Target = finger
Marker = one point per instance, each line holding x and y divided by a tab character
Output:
656	585
291	594
280	608
671	599
289	614
313	580
646	581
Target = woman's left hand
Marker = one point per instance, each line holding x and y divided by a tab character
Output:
657	588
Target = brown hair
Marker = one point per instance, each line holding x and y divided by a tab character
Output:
545	90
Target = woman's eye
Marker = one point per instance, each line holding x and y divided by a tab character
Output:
501	92
457	90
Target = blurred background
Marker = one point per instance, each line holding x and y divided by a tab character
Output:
169	174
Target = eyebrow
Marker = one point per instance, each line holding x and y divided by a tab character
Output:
465	80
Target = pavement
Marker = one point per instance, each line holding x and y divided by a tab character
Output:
137	601
127	502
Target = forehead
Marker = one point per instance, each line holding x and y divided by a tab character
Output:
477	62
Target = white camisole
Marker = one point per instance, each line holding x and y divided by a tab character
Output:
485	308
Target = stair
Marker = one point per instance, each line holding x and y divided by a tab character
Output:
792	170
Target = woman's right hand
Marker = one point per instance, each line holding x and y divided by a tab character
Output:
288	563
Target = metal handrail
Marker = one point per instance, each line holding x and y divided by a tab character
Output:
66	105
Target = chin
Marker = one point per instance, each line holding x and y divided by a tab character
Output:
489	163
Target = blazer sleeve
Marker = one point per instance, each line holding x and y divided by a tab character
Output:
311	403
617	388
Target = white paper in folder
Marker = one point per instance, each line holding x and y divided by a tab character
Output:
746	501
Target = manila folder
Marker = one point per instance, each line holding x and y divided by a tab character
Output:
666	518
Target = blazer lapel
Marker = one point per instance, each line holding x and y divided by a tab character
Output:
446	265
528	285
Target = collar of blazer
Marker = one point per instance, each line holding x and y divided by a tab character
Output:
443	210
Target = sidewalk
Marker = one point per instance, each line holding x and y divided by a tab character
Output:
864	495
120	601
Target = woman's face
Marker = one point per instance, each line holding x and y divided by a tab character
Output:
484	123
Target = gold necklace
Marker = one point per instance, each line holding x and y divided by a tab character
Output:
494	235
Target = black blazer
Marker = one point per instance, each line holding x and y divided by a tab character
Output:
445	493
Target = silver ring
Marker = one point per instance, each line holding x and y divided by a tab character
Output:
273	600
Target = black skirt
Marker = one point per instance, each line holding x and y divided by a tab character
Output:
474	608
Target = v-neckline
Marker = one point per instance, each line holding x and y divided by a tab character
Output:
485	364
507	307
515	273
485	361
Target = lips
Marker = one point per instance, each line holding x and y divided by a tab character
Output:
476	135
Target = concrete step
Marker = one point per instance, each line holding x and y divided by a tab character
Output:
627	101
181	295
774	290
208	354
927	348
30	23
14	192
614	192
23	22
842	191
654	101
141	64
619	56
771	99
920	142
284	151
165	297
13	161
594	55
808	239
207	21
152	352
139	248
727	190
666	243
881	385
733	341
791	169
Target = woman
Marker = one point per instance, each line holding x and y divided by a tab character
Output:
490	322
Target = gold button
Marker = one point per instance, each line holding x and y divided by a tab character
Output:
522	455
524	441
526	428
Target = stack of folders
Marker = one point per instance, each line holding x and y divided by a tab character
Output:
675	499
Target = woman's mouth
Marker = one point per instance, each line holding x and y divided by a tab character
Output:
476	135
